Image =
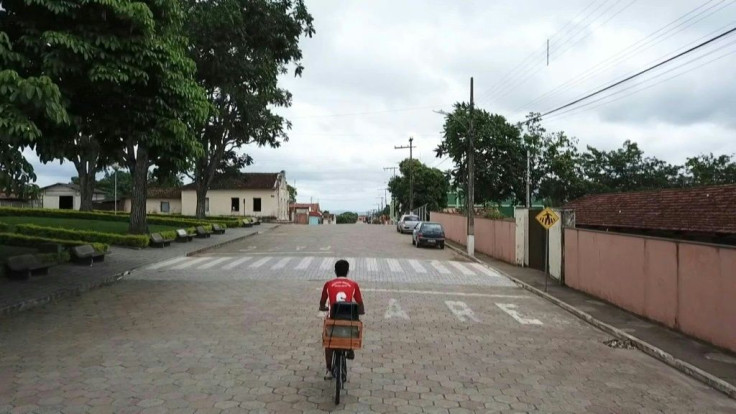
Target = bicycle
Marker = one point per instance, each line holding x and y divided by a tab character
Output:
342	332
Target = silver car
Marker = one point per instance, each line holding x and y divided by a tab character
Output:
407	223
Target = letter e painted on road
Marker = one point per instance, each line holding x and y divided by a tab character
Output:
461	311
510	308
394	310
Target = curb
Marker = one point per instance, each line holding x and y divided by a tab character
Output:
62	293
237	239
649	349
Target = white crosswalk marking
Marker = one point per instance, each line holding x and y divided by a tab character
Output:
440	268
486	270
372	264
462	268
326	263
281	263
234	264
351	262
191	262
394	265
417	267
214	263
304	263
260	262
168	262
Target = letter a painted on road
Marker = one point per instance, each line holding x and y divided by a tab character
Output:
547	218
394	310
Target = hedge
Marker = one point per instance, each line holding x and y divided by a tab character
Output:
96	215
128	240
5	228
15	239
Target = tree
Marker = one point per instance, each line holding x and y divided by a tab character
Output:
709	170
30	105
240	48
499	153
347	218
292	193
430	186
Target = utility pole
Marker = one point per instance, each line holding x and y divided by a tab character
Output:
392	211
411	172
471	179
528	181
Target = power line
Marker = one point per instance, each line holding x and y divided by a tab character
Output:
707	42
529	71
573	111
416	108
540	51
626	52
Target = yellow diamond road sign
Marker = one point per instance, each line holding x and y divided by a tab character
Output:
547	218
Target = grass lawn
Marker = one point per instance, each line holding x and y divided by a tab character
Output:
120	227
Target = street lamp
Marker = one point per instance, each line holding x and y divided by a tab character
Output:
115	168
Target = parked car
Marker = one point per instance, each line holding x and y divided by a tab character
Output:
407	223
428	233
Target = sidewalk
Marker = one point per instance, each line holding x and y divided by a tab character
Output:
72	279
708	364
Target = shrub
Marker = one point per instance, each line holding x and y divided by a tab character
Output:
178	221
15	239
5	228
83	235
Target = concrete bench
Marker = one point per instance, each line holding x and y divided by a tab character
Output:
86	254
183	236
202	233
157	240
217	229
247	223
23	266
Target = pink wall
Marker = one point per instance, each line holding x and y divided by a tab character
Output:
496	238
683	285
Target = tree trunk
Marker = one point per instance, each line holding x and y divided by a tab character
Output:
201	200
86	164
139	169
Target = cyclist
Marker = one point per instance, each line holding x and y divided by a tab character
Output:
340	289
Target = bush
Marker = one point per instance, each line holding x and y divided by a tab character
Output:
5	228
128	240
178	221
15	239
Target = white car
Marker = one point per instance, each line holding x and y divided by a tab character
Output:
407	223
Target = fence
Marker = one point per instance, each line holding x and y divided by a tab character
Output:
21	204
683	285
496	238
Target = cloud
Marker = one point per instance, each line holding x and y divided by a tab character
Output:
374	71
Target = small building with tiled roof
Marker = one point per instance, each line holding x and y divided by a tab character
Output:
706	214
247	194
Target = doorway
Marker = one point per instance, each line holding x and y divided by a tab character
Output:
66	202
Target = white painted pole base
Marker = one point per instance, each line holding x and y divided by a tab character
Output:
471	245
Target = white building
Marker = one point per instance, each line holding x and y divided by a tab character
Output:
159	201
249	194
66	196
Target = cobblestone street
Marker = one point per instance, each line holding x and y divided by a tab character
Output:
237	330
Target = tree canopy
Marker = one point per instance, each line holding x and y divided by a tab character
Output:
430	186
238	64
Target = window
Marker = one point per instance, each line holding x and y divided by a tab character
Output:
164	206
256	204
235	204
207	205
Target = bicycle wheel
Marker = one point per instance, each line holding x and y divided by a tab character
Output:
344	360
337	367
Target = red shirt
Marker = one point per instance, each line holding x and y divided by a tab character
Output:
341	289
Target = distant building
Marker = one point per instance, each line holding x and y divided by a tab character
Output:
301	213
705	214
248	194
66	196
160	200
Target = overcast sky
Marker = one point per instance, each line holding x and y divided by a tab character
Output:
376	70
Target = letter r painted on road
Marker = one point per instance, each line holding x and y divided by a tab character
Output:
461	311
510	308
394	310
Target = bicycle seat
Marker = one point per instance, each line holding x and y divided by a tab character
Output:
346	311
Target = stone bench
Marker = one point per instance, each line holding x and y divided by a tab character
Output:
183	236
217	229
23	266
202	233
157	240
86	254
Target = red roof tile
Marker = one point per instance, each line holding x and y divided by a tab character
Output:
160	192
710	209
245	181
